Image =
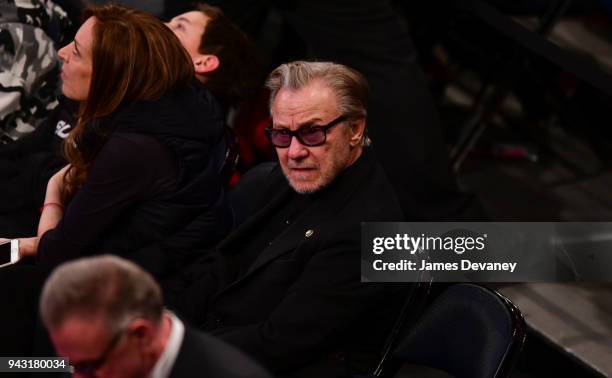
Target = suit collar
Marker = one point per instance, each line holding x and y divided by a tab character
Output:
167	360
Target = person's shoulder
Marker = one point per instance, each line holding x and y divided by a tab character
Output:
372	197
188	112
213	358
122	140
194	97
131	149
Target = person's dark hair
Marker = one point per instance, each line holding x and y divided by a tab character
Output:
134	57
240	72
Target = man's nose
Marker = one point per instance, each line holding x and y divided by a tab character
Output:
296	149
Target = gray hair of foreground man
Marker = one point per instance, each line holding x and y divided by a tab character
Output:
103	286
349	86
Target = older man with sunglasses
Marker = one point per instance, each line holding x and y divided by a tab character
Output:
285	286
318	153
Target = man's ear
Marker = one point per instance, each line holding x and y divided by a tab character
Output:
143	330
357	129
205	63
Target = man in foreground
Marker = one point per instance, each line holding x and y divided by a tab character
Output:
106	315
285	286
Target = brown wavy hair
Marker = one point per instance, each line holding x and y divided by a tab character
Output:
135	57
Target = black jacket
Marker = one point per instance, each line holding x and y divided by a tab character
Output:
159	231
205	356
301	301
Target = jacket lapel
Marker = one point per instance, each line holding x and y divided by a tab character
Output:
286	242
307	226
278	192
304	228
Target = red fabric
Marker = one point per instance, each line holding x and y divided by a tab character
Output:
251	120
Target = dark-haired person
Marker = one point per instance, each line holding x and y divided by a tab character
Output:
224	60
182	236
284	287
142	156
223	56
374	38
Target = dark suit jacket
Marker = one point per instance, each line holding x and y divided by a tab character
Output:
204	356
301	301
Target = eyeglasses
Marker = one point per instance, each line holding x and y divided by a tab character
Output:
89	368
310	136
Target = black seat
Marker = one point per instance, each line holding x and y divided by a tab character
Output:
468	331
411	310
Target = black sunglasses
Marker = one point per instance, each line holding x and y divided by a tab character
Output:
89	368
310	136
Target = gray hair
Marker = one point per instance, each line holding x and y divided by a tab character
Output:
103	286
349	86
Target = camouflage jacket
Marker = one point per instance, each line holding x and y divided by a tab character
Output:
30	32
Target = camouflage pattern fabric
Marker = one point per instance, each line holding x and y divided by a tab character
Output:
30	31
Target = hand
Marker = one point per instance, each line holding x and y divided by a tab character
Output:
28	247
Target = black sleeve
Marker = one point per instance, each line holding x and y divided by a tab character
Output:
129	168
185	246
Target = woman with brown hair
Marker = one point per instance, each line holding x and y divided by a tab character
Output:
144	156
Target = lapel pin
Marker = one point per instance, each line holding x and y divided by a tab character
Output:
309	233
